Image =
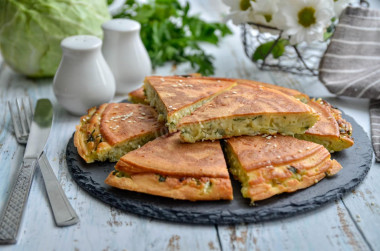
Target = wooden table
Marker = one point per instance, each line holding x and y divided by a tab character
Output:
350	223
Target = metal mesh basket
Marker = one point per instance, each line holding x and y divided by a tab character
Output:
298	59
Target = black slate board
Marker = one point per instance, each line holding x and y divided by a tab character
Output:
356	162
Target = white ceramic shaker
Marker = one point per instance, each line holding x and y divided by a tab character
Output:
83	78
125	54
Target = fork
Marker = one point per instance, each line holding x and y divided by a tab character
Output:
64	214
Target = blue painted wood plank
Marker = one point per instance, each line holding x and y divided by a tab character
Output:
328	228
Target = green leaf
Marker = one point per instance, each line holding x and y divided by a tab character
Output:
277	49
327	35
262	51
329	32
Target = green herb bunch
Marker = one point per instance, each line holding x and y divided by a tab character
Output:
170	34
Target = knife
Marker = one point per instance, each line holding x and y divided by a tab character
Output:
64	214
39	132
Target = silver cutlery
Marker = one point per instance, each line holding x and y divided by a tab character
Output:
35	138
64	214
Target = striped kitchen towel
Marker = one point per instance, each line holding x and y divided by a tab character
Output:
374	113
351	63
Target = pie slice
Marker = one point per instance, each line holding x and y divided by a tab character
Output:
331	131
175	97
291	92
169	168
112	130
271	165
138	97
247	110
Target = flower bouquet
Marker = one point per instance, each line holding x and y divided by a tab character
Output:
288	35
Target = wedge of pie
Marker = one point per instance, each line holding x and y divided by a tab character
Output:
291	92
247	110
275	164
138	96
169	168
331	130
112	130
176	97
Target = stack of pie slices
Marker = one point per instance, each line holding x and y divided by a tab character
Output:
184	133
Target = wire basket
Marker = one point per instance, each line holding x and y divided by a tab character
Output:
301	59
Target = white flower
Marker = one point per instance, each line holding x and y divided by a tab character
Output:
239	11
263	11
304	20
340	5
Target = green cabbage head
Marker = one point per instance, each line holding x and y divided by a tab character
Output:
31	31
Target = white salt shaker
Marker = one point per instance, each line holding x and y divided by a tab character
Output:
125	54
83	78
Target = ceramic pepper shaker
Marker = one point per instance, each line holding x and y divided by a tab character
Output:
83	78
125	54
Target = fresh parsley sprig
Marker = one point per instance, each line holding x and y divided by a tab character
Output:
171	34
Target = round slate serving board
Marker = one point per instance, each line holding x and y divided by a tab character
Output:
356	162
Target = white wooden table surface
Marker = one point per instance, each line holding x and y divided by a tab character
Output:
351	223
